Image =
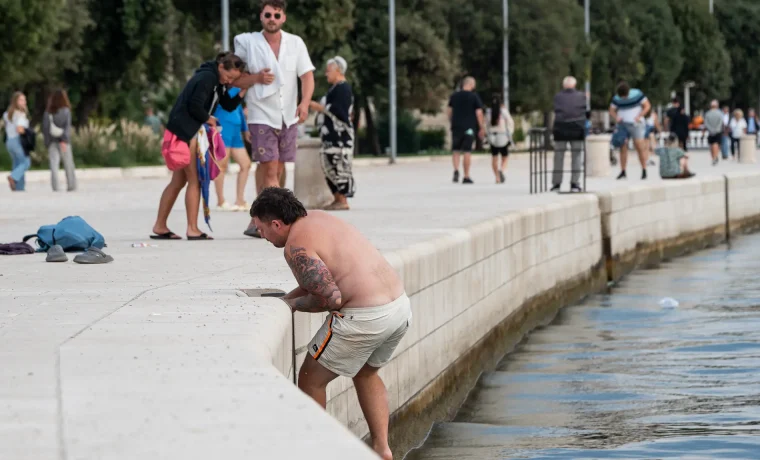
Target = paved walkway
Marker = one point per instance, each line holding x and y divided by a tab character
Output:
47	311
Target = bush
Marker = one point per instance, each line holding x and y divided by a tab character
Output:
406	131
518	135
432	139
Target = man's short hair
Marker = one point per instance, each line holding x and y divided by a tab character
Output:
276	4
274	203
468	80
714	104
569	82
623	89
340	63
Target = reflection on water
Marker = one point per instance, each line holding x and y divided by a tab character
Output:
619	376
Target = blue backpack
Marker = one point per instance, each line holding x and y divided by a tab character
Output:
72	233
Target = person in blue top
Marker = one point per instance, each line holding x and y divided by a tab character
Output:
234	127
628	108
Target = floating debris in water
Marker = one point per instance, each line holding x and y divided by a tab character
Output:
668	302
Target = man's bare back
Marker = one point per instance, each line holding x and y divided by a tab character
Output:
361	273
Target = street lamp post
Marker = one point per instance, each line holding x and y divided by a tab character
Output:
392	76
587	31
505	76
225	25
711	6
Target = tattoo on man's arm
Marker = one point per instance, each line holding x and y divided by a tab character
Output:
313	275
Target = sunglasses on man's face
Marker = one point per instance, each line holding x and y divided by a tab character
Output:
269	15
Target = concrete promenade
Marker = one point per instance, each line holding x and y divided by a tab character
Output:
160	355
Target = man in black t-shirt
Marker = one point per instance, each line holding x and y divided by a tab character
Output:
465	112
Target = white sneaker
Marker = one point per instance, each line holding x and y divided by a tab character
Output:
245	207
226	207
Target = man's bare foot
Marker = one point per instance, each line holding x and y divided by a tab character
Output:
337	206
12	183
384	452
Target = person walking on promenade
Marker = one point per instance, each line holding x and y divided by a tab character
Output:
193	109
569	128
337	133
714	126
500	129
629	106
234	127
276	60
738	127
725	145
56	132
152	120
16	120
341	273
753	123
465	112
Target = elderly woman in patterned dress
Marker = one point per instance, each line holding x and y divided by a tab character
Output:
337	133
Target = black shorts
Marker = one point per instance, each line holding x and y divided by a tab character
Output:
503	151
461	142
715	138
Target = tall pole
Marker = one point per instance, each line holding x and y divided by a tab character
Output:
505	76
392	74
587	31
711	6
225	25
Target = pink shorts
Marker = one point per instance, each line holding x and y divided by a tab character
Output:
271	144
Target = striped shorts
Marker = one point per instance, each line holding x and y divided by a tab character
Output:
353	337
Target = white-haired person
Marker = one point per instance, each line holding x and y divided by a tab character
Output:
569	128
337	133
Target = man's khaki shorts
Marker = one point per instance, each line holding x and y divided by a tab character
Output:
352	337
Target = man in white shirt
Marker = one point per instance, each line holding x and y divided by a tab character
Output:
273	115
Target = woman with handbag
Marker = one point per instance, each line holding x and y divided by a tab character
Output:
56	131
16	123
500	131
194	106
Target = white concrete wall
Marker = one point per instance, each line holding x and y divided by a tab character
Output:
464	284
744	195
649	213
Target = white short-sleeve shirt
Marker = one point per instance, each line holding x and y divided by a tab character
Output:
280	107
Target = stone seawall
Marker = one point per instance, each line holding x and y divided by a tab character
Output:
476	292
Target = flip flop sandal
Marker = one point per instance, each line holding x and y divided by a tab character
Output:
200	237
166	236
93	256
56	254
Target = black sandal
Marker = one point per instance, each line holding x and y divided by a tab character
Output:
166	236
202	236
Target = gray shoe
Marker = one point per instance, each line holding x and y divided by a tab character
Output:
93	256
56	254
252	231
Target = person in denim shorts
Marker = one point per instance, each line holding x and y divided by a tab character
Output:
628	108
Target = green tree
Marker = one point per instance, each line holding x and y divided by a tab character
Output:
706	60
424	62
545	41
118	42
616	50
739	21
30	30
661	52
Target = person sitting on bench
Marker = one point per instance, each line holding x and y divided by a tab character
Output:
673	160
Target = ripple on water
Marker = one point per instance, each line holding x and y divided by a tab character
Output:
620	377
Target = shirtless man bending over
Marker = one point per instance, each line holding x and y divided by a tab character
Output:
339	272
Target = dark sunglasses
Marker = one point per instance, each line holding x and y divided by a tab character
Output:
269	15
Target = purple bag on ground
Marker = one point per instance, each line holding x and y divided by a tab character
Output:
15	249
